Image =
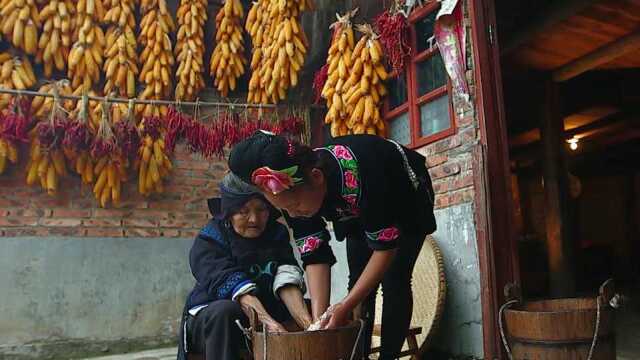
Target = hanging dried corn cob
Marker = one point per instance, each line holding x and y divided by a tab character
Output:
157	55
339	66
57	18
14	125
152	163
279	48
121	63
77	141
86	55
365	87
41	106
192	15
110	166
47	161
15	73
227	61
20	24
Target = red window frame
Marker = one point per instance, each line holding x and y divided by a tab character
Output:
414	101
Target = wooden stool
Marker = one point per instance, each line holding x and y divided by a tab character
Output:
411	341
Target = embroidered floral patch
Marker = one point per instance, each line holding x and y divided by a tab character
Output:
384	235
310	243
351	182
275	181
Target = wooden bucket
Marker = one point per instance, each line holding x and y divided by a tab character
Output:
561	329
335	344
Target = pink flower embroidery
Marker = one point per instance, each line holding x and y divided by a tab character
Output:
388	234
342	152
311	243
273	181
351	199
350	180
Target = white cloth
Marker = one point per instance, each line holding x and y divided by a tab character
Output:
288	275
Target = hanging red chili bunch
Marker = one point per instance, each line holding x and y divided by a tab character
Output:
230	127
77	141
177	125
393	28
319	79
292	125
127	134
14	126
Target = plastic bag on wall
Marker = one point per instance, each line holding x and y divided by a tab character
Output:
449	34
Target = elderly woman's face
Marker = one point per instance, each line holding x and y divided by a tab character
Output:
251	220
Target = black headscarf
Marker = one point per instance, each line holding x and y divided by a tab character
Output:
266	149
234	194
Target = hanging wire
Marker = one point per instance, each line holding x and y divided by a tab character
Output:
147	102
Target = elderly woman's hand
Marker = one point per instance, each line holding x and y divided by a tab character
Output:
250	302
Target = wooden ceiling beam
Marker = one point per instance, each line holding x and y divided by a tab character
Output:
559	11
600	56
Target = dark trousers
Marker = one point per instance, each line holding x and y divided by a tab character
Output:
214	333
397	305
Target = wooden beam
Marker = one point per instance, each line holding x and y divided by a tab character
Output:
600	56
556	183
555	13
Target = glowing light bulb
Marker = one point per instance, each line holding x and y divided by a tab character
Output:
573	143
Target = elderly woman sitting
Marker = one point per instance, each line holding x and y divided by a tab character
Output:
241	260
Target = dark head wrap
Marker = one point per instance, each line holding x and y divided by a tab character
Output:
234	193
264	149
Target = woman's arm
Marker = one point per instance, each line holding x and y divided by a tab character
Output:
250	302
319	283
373	273
292	298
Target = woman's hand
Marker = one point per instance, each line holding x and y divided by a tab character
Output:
337	315
248	302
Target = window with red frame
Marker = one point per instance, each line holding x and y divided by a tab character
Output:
418	108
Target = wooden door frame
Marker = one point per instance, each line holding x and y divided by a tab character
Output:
497	252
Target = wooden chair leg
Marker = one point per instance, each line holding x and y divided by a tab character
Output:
413	346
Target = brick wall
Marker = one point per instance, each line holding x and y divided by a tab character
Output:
179	212
450	162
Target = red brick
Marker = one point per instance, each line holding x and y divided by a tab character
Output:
102	222
104	232
199	215
111	213
463	181
19	221
441	201
173	233
136	232
167	205
172	223
465	120
25	231
440	187
444	170
192	164
189	233
71	213
31	212
193	182
436	160
4	213
6	203
462	196
468	135
60	222
66	231
140	223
